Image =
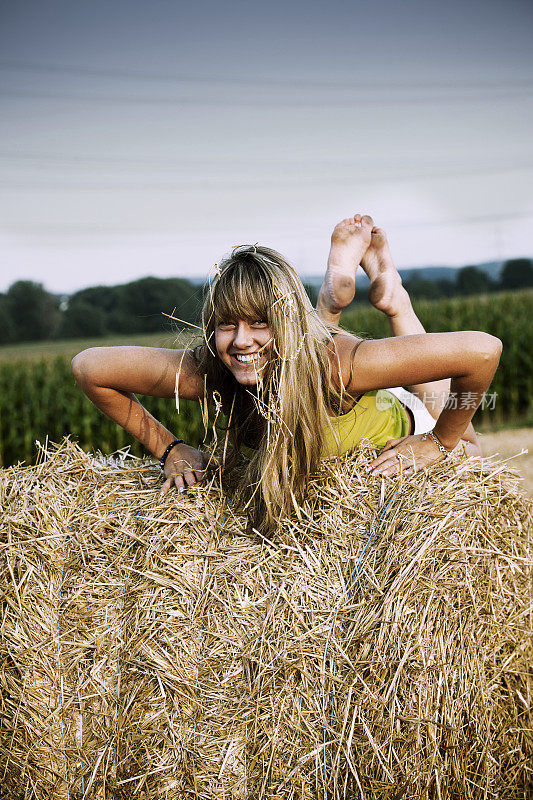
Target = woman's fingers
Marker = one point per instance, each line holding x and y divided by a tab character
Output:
392	443
395	466
167	484
408	455
189	477
181	481
387	453
391	466
183	472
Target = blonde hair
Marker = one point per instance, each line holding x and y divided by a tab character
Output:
286	413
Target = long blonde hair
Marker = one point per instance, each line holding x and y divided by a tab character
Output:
289	413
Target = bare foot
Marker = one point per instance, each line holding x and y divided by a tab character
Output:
386	292
349	241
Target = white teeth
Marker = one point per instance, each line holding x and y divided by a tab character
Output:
247	359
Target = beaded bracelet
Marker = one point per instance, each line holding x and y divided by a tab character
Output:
439	444
167	451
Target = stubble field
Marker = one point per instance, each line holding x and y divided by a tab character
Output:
508	443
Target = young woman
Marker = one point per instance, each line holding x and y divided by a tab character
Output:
294	387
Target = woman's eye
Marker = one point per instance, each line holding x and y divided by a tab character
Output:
226	326
260	323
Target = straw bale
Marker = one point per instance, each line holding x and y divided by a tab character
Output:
377	646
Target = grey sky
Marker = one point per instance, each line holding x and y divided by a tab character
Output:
148	138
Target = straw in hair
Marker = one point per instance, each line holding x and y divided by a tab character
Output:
295	395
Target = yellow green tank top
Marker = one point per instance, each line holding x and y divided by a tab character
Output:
377	416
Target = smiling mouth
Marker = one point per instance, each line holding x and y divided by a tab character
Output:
246	359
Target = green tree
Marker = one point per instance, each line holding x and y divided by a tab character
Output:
422	288
446	287
138	306
472	280
34	311
312	293
82	319
7	326
144	302
517	274
105	301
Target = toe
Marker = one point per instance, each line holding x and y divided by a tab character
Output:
368	221
378	232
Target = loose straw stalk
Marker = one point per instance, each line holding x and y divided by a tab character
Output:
376	647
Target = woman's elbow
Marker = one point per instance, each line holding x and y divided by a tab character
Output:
82	365
497	351
489	347
497	345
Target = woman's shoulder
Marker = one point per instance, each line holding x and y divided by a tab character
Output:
190	375
342	339
341	350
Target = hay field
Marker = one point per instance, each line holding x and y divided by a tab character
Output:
68	348
378	646
507	444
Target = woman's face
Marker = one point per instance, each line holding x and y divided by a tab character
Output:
244	347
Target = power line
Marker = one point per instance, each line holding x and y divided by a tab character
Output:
296	103
392	225
240	183
361	85
471	220
44	159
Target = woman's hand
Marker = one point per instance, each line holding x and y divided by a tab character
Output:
184	467
408	455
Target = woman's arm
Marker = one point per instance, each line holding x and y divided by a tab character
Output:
469	358
110	377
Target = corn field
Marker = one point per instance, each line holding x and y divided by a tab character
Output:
507	315
42	399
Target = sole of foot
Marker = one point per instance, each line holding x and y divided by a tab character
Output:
386	292
349	241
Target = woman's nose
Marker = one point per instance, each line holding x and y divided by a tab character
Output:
243	335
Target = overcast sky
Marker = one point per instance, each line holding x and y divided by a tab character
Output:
148	138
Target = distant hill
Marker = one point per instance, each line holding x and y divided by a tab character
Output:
492	268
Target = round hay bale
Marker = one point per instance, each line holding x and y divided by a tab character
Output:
378	646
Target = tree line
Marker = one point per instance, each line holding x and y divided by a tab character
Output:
516	273
30	313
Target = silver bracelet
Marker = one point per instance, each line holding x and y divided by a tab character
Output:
439	444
